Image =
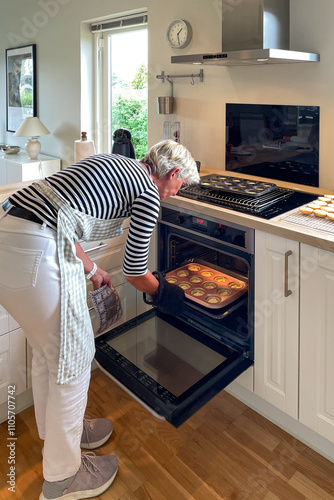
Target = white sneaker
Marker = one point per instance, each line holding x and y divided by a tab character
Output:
94	476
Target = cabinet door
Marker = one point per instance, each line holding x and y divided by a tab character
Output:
276	321
18	171
12	363
317	340
7	322
3	174
4	320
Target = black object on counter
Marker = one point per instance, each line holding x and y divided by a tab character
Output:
122	143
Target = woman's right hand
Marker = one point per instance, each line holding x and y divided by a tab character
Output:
100	278
170	298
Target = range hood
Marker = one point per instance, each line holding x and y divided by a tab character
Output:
253	32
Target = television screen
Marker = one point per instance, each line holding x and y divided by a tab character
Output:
273	141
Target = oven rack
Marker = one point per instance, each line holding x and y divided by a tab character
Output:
241	202
310	222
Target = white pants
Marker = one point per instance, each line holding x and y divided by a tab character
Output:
30	292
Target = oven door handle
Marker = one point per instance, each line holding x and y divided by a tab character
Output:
287	292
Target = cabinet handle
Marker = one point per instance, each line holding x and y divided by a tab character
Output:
287	292
102	245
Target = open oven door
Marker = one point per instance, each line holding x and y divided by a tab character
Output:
170	366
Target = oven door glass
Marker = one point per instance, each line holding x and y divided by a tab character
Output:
169	365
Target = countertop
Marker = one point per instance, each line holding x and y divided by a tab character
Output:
319	239
277	226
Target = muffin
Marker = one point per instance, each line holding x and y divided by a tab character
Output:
306	210
324	199
313	205
220	279
224	291
197	292
235	284
320	213
171	279
207	273
195	279
209	285
184	285
183	273
194	267
213	299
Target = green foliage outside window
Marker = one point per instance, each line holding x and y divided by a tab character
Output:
131	113
140	80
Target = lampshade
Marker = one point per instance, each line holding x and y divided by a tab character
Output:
31	127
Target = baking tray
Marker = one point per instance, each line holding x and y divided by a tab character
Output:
207	286
236	185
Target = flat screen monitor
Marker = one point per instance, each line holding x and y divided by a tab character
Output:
273	141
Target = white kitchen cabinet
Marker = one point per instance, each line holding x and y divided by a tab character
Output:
4	320
277	321
13	358
19	167
317	340
15	364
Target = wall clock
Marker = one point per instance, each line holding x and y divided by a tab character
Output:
179	34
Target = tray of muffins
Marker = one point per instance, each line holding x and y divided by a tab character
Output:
207	286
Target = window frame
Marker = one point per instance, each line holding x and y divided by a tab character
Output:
102	104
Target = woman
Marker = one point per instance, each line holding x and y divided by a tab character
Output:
43	286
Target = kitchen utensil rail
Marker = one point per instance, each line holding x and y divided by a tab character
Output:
164	77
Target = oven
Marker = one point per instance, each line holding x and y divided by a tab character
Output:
173	365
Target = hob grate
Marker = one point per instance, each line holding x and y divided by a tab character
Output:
237	202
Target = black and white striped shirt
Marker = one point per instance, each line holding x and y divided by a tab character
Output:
105	186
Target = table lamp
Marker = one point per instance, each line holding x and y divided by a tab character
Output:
34	128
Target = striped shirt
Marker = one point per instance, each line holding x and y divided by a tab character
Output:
106	187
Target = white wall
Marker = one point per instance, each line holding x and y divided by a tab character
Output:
56	26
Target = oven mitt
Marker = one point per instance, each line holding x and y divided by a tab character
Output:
107	305
169	299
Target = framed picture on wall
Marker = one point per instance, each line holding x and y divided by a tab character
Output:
20	85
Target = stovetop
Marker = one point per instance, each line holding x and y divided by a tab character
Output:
264	200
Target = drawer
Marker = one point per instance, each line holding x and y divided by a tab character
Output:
107	254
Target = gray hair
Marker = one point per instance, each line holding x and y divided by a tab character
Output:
166	155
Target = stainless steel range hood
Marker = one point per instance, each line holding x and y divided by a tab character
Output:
253	32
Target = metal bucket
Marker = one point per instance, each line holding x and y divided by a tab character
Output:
165	105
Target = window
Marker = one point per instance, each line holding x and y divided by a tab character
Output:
121	80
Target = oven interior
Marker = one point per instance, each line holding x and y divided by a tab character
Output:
232	324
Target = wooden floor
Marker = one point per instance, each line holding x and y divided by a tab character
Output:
226	451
